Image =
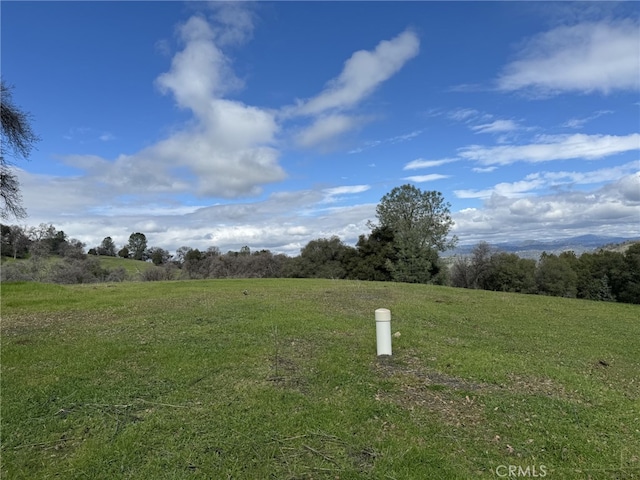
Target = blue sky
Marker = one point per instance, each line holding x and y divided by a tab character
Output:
271	124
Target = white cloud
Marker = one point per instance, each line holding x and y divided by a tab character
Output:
336	194
463	114
422	163
553	147
547	180
234	22
347	189
505	189
580	122
201	71
229	148
283	222
426	178
586	58
628	187
497	126
390	140
601	175
362	74
484	169
610	210
327	127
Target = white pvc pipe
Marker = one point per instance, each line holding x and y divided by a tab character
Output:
383	331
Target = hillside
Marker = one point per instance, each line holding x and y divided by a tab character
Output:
132	267
280	379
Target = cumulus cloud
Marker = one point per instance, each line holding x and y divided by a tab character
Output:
609	210
227	151
553	147
283	222
234	22
201	71
587	57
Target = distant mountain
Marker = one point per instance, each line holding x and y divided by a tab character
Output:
534	248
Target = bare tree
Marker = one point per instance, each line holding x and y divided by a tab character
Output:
17	141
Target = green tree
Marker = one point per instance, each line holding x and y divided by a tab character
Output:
17	140
324	258
461	273
601	275
480	265
137	245
123	252
421	222
107	247
507	272
631	291
158	256
554	276
374	252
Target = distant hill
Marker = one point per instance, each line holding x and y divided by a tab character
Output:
534	248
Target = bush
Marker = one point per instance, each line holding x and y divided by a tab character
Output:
20	271
117	275
157	274
72	271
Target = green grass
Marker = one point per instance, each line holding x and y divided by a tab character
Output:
194	379
133	267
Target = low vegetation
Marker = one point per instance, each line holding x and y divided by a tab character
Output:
413	229
279	378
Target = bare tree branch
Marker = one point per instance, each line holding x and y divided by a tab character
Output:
18	140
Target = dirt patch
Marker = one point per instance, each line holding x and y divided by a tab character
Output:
453	399
411	366
457	401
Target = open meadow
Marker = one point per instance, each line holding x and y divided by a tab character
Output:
279	378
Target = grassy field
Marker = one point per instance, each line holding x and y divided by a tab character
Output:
134	268
200	379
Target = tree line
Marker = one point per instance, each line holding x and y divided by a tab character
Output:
602	275
404	246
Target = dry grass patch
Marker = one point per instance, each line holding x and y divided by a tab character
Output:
453	399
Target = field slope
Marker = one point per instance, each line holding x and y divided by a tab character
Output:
258	379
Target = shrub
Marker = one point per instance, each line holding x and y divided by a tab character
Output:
157	274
